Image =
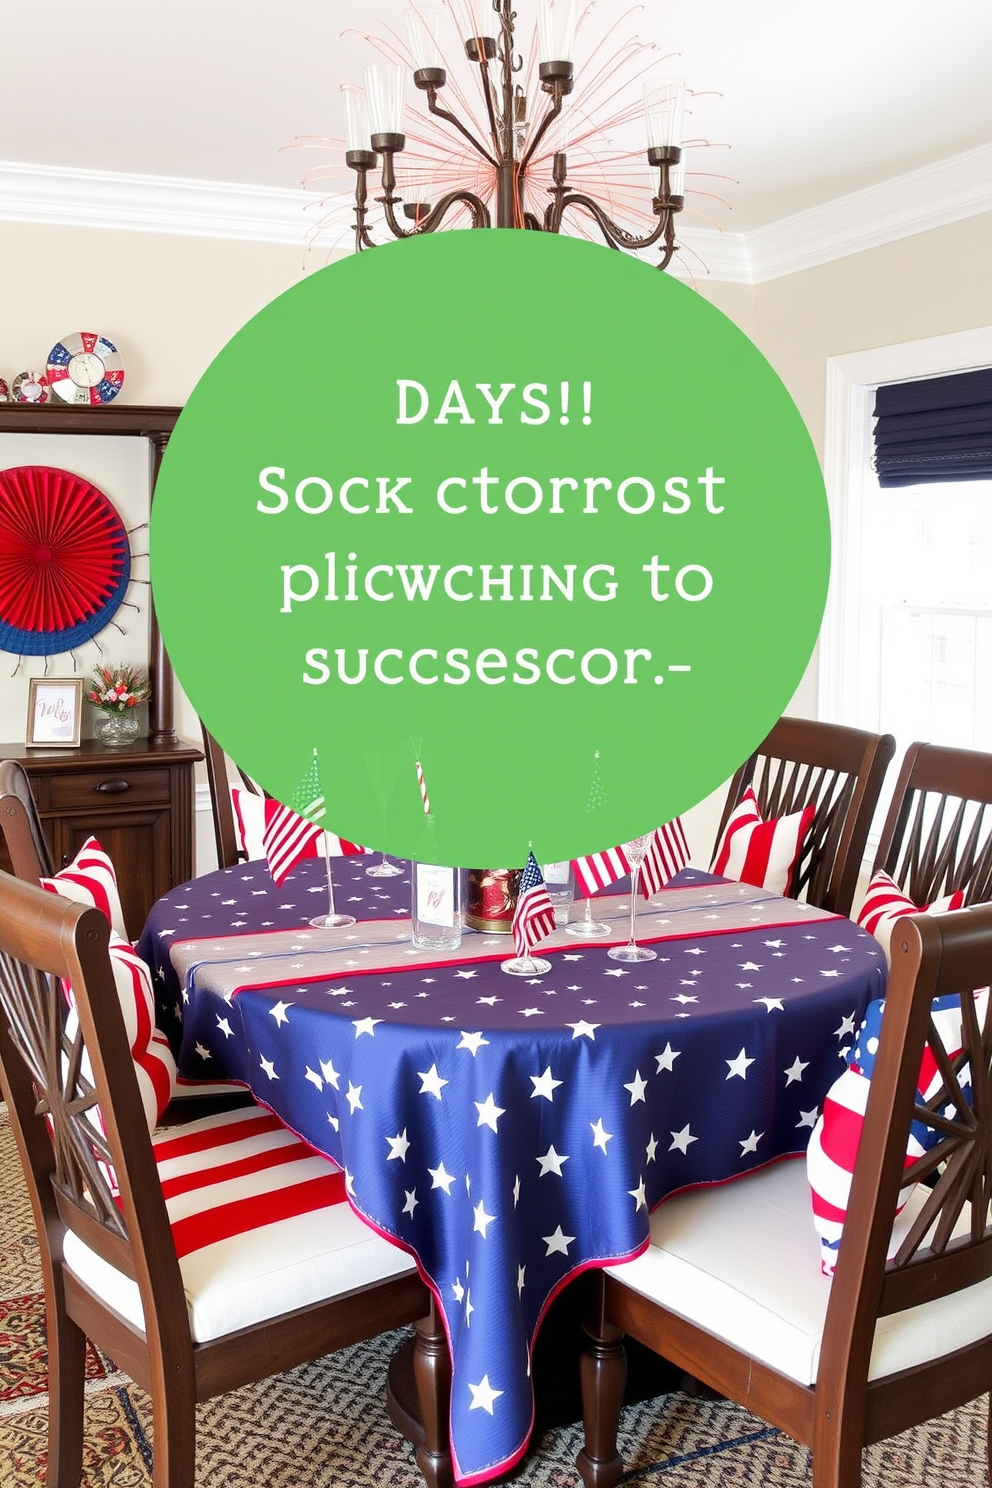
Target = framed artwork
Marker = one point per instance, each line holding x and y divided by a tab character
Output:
55	712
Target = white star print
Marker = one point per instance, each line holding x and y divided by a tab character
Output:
432	1082
846	1027
442	1178
808	1118
618	972
583	1029
203	1053
520	1280
531	1013
365	1025
639	1195
411	1200
354	1098
836	973
489	1112
473	1042
749	966
482	1220
652	1147
837	948
279	1012
466	975
683	998
457	1290
545	1085
551	1162
795	1070
329	1073
637	1088
682	1139
557	1243
772	1004
225	1027
600	1137
751	1143
666	1059
399	1146
314	1078
488	1001
738	1066
516	1190
269	1068
483	1395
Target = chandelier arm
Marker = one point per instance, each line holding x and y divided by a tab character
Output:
616	236
549	118
475	204
487	89
443	113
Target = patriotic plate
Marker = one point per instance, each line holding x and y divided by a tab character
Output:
85	368
30	387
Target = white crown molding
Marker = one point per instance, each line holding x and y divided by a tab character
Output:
157	204
931	197
923	199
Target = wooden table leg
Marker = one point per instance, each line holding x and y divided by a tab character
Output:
418	1394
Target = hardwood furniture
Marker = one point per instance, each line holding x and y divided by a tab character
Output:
138	801
28	852
937	836
71	1119
841	771
623	1087
225	829
730	1289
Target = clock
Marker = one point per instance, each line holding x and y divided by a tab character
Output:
85	368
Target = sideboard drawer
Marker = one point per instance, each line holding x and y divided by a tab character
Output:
126	786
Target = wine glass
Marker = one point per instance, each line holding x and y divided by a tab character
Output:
634	851
331	920
587	926
384	766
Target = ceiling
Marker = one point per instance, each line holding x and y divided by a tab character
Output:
814	100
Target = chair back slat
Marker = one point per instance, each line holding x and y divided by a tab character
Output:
937	837
20	823
948	1246
839	771
74	1097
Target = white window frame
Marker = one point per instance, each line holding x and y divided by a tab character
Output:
851	384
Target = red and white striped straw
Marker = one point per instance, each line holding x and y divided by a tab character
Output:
423	789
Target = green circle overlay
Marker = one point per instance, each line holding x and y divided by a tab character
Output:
682	412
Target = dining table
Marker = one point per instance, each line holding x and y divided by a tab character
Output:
511	1132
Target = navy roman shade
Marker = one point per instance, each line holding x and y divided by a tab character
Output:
938	429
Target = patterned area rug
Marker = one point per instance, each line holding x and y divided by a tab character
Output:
331	1416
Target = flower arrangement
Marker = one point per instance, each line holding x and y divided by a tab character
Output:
118	689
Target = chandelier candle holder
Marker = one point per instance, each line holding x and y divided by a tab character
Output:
374	124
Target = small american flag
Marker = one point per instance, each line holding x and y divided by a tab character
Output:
598	870
668	851
292	832
534	916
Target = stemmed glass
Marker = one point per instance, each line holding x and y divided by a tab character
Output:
587	926
384	768
634	852
331	921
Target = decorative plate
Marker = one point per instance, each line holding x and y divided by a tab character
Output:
85	368
65	561
4	390
30	387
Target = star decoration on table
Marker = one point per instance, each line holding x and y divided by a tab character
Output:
484	1396
557	1243
399	1146
410	1195
329	1073
279	1012
473	1042
441	1178
808	1118
637	1087
651	1148
432	1084
268	1067
489	1112
666	1059
639	1195
481	1220
354	1097
739	1066
544	1085
600	1137
795	1070
750	1144
582	1029
365	1025
551	1162
682	1139
772	1004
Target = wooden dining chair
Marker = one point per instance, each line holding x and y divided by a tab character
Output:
730	1287
937	836
229	849
200	1259
20	823
840	771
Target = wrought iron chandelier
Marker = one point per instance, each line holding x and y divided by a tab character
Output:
374	122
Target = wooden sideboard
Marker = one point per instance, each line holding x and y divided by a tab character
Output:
137	801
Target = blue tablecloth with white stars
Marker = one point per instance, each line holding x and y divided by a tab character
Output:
511	1132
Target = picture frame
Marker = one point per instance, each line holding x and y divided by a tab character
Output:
55	713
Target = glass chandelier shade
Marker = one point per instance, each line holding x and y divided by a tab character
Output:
664	107
385	87
423	24
556	23
357	127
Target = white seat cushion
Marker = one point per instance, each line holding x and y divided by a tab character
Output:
742	1261
260	1222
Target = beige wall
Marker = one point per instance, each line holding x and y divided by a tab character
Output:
173	302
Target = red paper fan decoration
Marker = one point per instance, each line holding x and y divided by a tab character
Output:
65	562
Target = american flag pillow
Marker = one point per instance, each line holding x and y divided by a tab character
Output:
833	1145
90	879
885	902
764	853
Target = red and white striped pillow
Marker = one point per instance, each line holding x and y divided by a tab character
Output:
885	902
762	853
90	879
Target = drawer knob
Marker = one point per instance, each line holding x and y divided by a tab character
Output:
113	787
